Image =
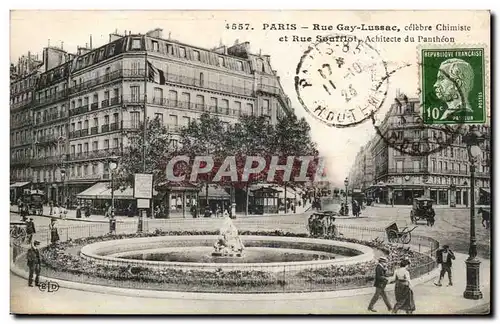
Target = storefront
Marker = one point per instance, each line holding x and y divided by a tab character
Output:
264	201
16	190
218	198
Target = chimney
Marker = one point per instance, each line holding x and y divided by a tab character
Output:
90	41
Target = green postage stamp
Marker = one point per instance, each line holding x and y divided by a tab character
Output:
453	85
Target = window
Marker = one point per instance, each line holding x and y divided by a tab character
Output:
79	148
170	49
196	55
156	48
440	166
106	144
265	107
136	44
173	120
79	125
94	168
399	166
416	165
159	116
115	118
433	165
115	142
116	93
186	100
95	145
225	106
158	96
221	61
73	104
249	109
95	99
213	103
80	101
446	166
86	124
85	147
134	93
96	122
182	52
172	98
72	150
200	101
135	119
186	120
237	108
86	101
239	64
202	80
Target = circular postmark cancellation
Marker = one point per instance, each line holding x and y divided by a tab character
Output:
341	83
404	128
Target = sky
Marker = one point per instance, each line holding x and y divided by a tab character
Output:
32	30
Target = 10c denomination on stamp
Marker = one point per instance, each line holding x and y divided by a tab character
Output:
448	74
341	83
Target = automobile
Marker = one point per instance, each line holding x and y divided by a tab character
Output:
422	210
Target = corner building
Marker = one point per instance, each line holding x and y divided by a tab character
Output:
85	105
444	176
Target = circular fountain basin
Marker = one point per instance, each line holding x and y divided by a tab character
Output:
263	253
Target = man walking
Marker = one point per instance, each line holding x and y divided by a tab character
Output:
34	264
444	257
381	280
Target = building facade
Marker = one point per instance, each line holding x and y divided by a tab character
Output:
82	107
444	175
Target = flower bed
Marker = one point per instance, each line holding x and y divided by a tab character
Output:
58	259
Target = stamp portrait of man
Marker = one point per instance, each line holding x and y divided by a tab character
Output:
455	81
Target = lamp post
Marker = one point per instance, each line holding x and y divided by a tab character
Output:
472	291
346	183
113	164
63	178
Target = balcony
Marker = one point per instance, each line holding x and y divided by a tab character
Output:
105	103
96	154
276	91
84	132
114	126
21	104
105	128
132	125
109	77
48	160
186	105
51	99
134	100
94	106
20	161
407	170
50	138
79	110
21	123
94	130
115	101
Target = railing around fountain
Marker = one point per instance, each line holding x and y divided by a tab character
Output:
256	280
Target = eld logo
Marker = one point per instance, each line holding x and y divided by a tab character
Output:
49	286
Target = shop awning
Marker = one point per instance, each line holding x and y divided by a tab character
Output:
120	193
290	193
214	192
94	191
19	184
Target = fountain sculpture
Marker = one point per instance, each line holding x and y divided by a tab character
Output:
228	242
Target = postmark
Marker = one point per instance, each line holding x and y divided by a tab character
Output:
404	129
341	83
465	66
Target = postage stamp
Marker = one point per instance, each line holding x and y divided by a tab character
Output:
341	83
445	73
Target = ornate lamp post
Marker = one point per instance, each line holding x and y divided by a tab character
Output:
63	178
113	164
346	183
472	291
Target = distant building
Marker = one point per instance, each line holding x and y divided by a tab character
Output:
75	111
443	176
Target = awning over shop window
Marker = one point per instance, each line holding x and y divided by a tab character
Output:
214	192
94	191
19	184
125	193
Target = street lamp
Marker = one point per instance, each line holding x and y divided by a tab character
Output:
113	164
346	183
63	178
472	291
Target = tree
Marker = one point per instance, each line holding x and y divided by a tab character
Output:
158	153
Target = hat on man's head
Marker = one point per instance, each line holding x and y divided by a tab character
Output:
36	243
31	218
446	246
382	259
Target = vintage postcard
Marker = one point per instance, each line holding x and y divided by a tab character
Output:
250	162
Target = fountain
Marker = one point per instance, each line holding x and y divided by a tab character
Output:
228	243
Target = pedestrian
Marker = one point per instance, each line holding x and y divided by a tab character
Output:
78	211
54	234
112	224
51	207
485	214
62	212
34	264
56	210
404	289
87	210
30	230
129	210
381	280
444	257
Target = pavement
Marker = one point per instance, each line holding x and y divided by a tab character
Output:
429	299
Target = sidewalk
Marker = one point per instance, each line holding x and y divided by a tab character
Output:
434	206
429	299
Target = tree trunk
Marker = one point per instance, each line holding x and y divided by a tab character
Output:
206	195
286	202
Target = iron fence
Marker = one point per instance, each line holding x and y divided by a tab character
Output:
256	278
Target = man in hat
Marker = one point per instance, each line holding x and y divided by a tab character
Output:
444	257
34	263
381	280
30	230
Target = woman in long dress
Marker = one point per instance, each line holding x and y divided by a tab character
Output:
403	289
54	234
